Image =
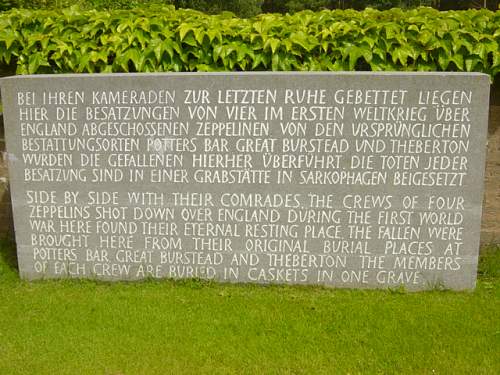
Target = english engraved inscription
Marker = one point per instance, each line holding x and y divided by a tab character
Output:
356	180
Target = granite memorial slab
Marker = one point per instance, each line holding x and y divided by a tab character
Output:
356	180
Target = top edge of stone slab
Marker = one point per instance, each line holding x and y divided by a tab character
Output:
304	73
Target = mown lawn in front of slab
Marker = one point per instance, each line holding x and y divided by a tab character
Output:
194	327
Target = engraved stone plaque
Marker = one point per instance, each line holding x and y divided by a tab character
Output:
356	180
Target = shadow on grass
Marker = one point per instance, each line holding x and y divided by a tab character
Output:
8	255
489	262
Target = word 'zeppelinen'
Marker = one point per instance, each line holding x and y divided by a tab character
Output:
232	129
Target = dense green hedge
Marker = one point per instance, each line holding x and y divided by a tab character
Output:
165	39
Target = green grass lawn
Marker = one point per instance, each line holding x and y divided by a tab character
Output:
192	327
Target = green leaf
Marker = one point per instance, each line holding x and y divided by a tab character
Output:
184	28
443	59
496	60
130	55
275	62
471	63
273	43
199	35
353	53
458	59
35	61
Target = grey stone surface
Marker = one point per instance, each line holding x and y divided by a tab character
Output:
368	180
